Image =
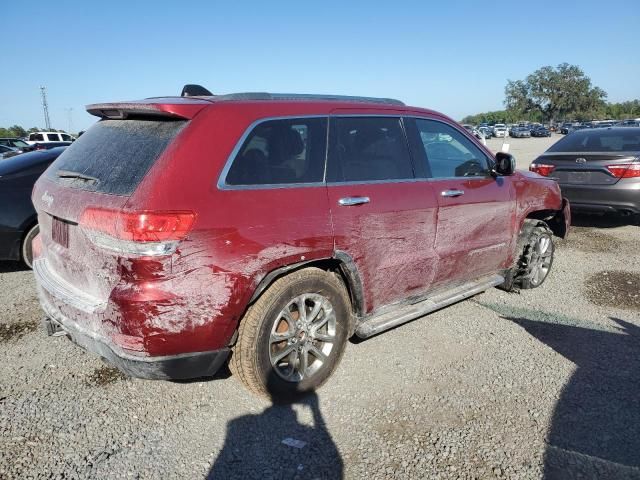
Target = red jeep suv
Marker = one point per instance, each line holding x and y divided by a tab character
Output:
178	232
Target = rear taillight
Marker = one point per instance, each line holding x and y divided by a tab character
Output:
625	170
542	169
136	233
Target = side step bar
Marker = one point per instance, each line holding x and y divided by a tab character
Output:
389	319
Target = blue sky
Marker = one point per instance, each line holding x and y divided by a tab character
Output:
452	56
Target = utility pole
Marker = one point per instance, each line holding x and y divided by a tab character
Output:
69	119
45	108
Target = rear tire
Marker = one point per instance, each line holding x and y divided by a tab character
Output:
283	354
27	245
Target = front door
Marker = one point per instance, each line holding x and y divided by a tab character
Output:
383	218
476	210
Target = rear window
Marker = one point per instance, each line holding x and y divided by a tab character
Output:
279	152
114	155
599	141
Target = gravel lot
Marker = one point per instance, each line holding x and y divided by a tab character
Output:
541	384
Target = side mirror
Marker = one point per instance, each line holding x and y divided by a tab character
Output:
505	164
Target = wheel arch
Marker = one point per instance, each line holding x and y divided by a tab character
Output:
340	264
557	220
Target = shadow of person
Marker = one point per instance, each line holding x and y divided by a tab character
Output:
595	428
275	445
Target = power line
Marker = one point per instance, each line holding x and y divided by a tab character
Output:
45	108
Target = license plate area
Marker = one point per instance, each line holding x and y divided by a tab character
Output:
579	177
60	232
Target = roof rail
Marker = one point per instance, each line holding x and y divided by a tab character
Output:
302	97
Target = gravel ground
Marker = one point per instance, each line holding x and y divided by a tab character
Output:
541	384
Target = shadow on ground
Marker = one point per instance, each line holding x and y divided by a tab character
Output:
602	221
10	266
595	429
274	444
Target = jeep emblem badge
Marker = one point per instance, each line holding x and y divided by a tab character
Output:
581	160
48	199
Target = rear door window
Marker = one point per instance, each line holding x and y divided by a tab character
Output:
53	137
364	149
114	155
279	152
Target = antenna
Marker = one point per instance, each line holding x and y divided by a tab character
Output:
45	108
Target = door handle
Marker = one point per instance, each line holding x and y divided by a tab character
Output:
350	201
452	193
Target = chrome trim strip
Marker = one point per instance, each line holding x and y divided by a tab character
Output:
62	290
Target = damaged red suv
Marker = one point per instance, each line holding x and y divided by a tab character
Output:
178	233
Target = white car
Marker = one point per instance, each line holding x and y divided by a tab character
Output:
48	137
500	130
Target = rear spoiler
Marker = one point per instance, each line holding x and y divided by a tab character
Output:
172	107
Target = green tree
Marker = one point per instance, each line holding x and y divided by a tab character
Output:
555	93
17	131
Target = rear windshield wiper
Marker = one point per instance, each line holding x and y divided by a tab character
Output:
76	175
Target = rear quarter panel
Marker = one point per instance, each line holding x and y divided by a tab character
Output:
238	237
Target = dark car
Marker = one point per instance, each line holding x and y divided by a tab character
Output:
19	224
178	230
540	132
14	142
598	169
8	152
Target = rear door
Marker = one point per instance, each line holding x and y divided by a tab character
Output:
476	211
383	216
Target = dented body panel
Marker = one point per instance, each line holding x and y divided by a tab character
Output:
408	240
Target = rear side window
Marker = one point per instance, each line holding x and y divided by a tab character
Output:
449	153
368	149
53	137
36	137
599	141
114	155
277	152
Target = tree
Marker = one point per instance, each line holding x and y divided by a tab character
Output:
555	93
18	131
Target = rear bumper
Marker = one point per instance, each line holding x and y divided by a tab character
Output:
136	364
172	367
622	197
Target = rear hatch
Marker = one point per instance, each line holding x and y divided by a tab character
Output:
98	173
